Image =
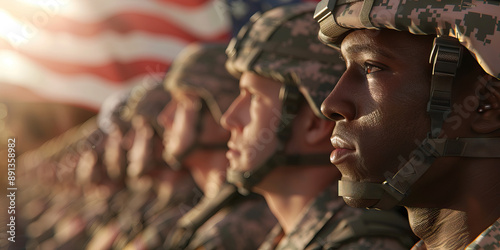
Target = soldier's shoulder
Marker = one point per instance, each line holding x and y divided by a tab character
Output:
366	229
489	239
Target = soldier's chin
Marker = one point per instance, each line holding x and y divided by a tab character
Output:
360	203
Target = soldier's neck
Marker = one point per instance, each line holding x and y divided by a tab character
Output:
463	208
287	195
440	228
287	209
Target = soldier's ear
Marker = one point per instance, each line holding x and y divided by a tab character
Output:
488	113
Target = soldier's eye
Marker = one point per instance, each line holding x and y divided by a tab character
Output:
370	68
253	96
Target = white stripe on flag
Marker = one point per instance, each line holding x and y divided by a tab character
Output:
87	89
103	48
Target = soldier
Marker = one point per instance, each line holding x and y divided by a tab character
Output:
145	157
110	121
279	142
417	113
153	190
170	188
103	199
202	90
63	223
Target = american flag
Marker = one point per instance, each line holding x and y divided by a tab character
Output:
80	51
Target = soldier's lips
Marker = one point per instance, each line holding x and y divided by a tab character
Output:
342	150
340	155
232	154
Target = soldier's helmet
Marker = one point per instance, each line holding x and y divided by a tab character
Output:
199	69
147	100
145	103
457	25
472	22
109	121
282	44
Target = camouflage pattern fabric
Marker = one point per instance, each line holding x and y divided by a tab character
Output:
326	220
200	68
489	239
475	23
147	101
156	229
140	217
241	225
157	220
282	44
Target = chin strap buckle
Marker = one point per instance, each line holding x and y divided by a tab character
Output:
445	59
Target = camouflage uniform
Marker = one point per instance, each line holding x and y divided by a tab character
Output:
158	226
326	217
143	222
243	224
488	239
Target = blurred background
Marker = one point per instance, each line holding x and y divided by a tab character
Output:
60	59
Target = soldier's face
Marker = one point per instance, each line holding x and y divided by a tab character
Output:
253	119
179	119
86	169
145	153
115	155
379	104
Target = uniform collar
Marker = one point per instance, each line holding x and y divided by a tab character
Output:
313	219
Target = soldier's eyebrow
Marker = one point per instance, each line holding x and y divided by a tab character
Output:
358	49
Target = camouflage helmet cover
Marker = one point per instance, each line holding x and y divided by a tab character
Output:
146	100
200	68
475	23
281	44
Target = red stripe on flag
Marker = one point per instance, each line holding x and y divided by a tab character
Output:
186	3
115	71
130	22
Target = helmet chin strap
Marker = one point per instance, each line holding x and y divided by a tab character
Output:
392	191
291	99
445	56
175	161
